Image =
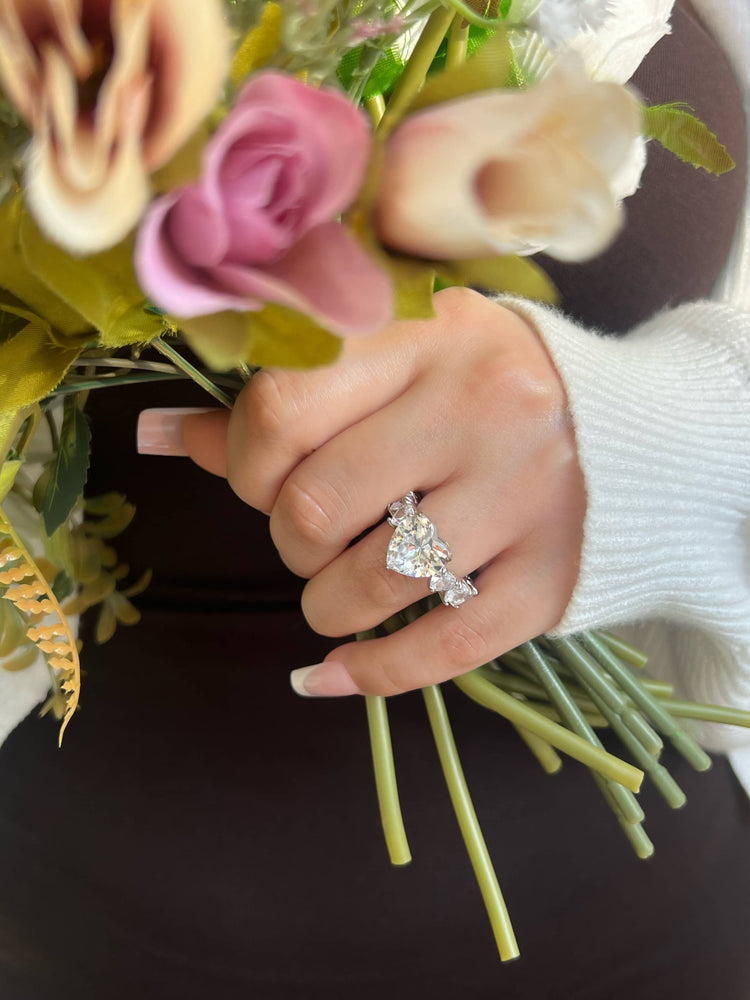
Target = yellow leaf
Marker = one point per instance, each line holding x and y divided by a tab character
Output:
283	338
413	284
275	337
31	365
8	473
258	45
185	166
221	340
21	282
512	275
102	288
490	68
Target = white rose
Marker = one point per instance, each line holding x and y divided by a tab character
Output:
111	90
513	171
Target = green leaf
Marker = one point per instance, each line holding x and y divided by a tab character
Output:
68	469
10	325
511	275
685	135
490	68
102	288
413	285
8	473
63	587
283	338
31	364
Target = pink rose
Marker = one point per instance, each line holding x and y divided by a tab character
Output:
260	224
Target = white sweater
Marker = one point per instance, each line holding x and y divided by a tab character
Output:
662	420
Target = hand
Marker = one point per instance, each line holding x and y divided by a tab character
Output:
467	410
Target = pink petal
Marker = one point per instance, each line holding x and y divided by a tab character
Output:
327	275
340	131
171	283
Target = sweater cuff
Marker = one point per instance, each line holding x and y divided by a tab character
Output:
661	419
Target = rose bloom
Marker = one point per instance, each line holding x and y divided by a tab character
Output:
260	225
513	171
111	89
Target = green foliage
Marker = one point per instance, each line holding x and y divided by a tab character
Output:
283	338
491	67
31	364
685	135
511	275
413	285
68	469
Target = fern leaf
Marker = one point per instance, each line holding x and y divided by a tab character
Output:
23	584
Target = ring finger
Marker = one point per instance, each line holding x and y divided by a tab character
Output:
357	591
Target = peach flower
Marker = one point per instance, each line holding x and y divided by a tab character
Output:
514	171
111	89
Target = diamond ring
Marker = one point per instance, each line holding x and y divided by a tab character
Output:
417	550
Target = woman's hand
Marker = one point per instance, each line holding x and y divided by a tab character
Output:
468	411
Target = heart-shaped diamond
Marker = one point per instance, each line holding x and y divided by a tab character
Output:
415	549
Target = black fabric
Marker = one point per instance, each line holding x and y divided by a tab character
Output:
206	833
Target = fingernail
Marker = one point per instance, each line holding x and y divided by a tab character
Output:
160	430
323	680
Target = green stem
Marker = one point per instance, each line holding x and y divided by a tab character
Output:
708	713
385	781
197	376
653	709
635	657
594	678
626	804
469	824
482	691
458	42
663	781
376	108
415	71
548	757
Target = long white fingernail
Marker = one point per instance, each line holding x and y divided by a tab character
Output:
160	430
329	679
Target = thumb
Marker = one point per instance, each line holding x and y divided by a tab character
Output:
197	432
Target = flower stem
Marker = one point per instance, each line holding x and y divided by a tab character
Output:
635	657
385	781
479	689
415	71
469	825
622	799
458	42
197	376
653	709
548	757
376	107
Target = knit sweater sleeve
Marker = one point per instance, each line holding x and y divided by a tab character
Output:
662	423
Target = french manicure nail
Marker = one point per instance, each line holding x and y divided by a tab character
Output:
329	679
160	430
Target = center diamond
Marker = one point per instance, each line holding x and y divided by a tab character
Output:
415	549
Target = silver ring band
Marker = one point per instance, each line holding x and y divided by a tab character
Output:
417	550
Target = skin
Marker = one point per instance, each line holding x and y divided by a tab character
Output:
468	410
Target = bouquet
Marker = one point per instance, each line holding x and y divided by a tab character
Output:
197	189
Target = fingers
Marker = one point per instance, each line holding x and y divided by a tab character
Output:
357	591
344	487
516	601
281	417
